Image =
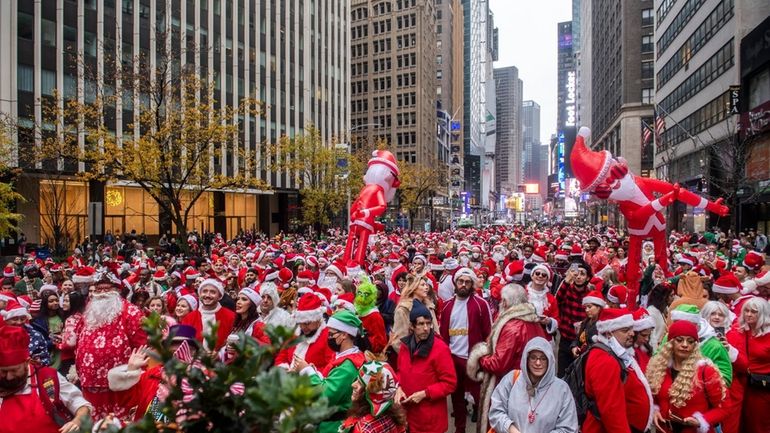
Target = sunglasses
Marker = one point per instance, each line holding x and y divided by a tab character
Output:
540	274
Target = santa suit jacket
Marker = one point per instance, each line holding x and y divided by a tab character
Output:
370	201
375	330
621	405
434	374
136	388
224	317
705	404
313	350
479	320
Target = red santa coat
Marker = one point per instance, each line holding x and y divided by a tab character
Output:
100	349
434	374
705	404
371	202
734	402
604	386
545	305
510	346
137	398
479	320
375	330
224	317
313	350
756	401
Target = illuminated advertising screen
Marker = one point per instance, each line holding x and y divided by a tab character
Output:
560	169
571	198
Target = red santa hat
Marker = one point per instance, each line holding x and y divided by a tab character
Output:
594	297
540	253
612	319
682	328
727	284
562	254
213	282
7	295
345	301
753	261
618	294
576	251
306	277
309	309
312	261
252	294
385	158
590	167
642	320
285	276
160	275
336	268
14	346
84	275
750	285
14	310
687	259
514	271
8	271
421	257
49	288
190	273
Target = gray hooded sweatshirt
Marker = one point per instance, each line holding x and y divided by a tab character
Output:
554	407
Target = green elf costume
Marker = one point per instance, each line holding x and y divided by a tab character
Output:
338	377
377	381
710	346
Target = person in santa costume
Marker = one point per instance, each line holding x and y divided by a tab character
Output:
106	335
34	398
381	181
688	390
345	338
270	313
446	285
426	373
752	339
209	312
545	303
138	382
516	325
613	379
312	349
465	321
727	288
644	324
610	178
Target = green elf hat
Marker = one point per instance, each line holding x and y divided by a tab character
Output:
347	322
380	385
687	312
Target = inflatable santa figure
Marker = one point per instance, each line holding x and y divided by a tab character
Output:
381	180
609	178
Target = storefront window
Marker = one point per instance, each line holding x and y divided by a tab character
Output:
63	212
130	208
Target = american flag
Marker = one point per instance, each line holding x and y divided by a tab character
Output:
184	353
646	134
660	126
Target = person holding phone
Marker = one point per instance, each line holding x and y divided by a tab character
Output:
688	391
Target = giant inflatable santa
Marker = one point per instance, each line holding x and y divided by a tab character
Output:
609	178
381	180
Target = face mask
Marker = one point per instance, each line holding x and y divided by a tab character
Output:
331	341
476	256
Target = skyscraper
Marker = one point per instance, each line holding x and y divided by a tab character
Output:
393	77
533	169
508	150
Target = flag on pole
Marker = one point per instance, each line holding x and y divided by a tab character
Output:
646	133
660	126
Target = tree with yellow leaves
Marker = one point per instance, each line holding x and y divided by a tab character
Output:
417	182
9	219
182	143
322	182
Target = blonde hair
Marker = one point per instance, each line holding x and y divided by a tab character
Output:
683	386
412	283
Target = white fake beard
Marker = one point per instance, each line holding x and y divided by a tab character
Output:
103	309
498	257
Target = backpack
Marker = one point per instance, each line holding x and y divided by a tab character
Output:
48	392
514	378
575	378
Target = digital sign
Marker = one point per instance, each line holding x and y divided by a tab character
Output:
455	125
569	103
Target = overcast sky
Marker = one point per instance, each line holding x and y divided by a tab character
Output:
528	41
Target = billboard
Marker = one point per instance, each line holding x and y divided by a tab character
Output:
532	188
571	198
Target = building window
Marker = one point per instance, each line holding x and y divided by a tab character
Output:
26	29
26	78
647	19
647	44
647	96
648	70
439	59
48	32
438	29
439	74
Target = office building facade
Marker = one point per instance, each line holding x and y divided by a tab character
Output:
292	55
509	90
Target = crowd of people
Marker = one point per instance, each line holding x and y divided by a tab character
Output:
516	329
